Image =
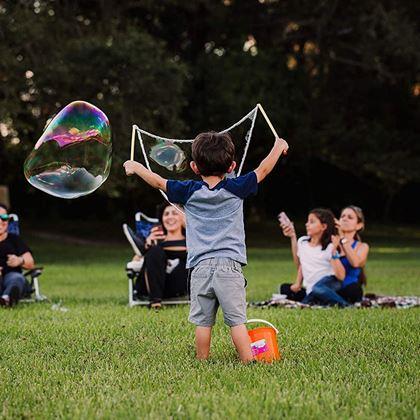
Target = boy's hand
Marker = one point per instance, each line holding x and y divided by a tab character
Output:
283	144
154	180
130	167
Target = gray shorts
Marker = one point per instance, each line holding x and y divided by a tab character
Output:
217	281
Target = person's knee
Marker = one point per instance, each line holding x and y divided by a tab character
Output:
319	290
155	253
325	281
14	283
14	277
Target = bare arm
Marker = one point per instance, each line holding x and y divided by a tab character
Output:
28	261
357	257
267	165
289	231
154	180
25	261
297	285
336	264
293	246
339	270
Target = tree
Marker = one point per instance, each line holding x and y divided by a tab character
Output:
53	58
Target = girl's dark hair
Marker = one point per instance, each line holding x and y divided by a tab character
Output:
360	219
3	206
160	209
325	216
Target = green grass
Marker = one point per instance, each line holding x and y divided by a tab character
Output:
102	359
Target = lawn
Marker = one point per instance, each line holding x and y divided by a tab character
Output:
102	359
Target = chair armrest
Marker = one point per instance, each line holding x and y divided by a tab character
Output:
35	272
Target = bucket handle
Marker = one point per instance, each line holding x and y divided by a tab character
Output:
264	322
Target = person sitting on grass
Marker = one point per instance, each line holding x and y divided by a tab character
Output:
164	274
351	254
313	255
14	255
215	233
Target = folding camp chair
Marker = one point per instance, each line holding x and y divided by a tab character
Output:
137	240
32	291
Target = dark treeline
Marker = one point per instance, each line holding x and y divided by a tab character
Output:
339	79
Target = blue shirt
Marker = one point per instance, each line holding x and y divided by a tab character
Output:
352	273
215	221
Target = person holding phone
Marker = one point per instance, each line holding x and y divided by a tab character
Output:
348	258
349	254
312	254
164	274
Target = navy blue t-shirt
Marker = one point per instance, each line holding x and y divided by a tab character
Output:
215	226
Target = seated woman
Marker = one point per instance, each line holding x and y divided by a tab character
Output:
164	274
312	254
351	253
14	255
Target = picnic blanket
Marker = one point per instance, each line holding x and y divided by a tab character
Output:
370	300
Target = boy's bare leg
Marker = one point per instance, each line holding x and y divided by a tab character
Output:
242	342
202	342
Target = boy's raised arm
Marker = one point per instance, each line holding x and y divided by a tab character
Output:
154	180
267	165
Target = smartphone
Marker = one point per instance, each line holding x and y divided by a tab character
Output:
283	219
158	225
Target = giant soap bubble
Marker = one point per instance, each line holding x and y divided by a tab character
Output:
169	155
73	156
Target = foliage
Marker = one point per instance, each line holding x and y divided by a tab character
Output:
338	79
53	60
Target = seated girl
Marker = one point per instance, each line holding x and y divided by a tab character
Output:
312	254
351	254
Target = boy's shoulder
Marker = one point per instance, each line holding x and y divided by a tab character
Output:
242	186
180	191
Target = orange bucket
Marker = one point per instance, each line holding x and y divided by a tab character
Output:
264	341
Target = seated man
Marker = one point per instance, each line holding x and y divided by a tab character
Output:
14	255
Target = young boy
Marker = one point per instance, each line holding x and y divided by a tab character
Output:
215	233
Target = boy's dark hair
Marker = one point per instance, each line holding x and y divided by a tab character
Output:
325	216
213	153
3	206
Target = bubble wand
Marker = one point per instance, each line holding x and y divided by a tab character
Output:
268	120
133	135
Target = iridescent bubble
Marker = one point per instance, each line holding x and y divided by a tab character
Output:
168	155
73	156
